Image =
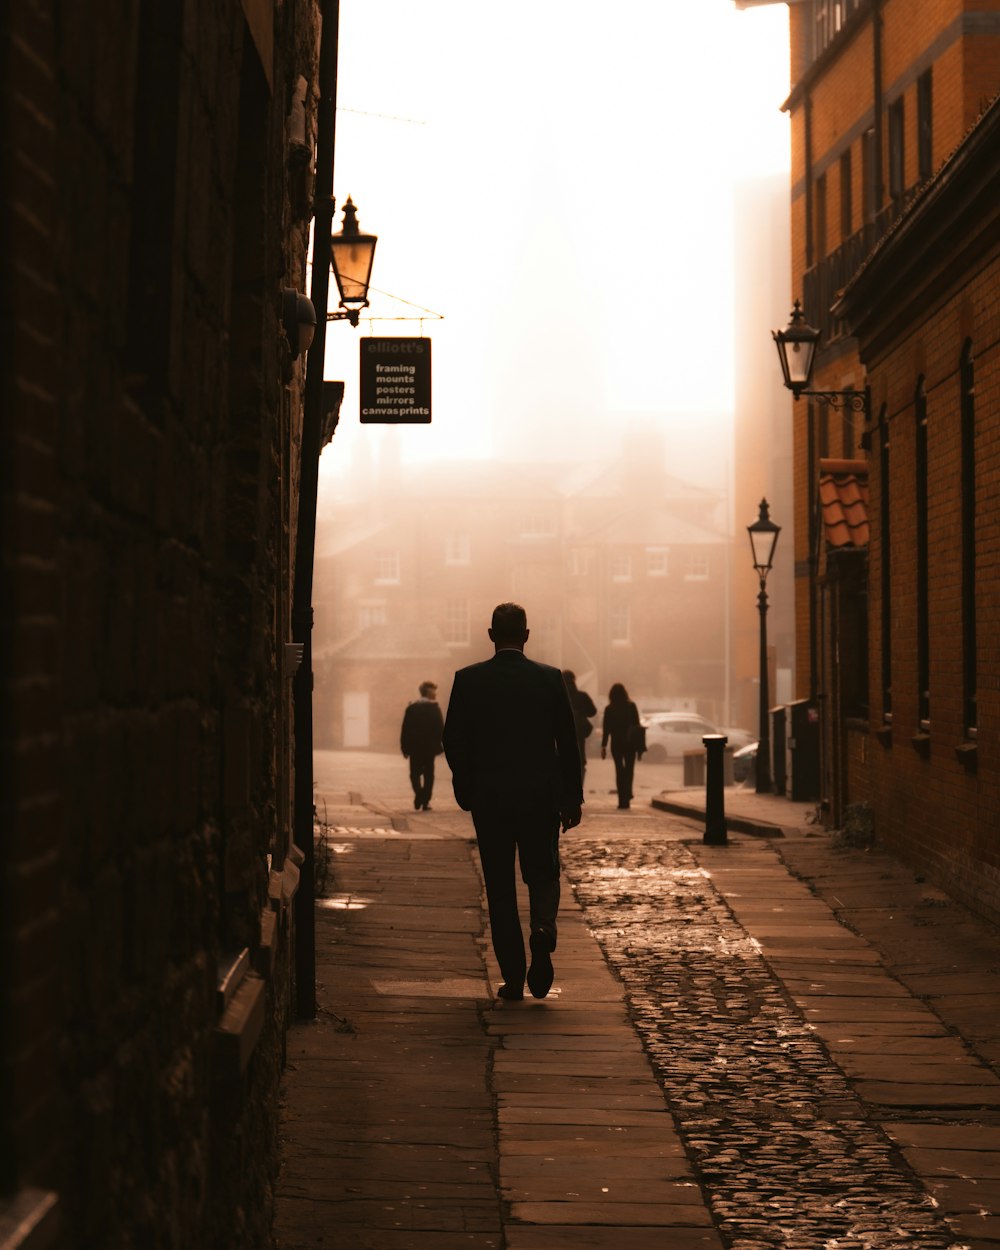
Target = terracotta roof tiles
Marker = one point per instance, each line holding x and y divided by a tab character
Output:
843	502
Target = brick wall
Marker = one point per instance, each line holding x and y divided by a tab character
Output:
933	809
957	40
150	221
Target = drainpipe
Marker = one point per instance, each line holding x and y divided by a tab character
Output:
305	539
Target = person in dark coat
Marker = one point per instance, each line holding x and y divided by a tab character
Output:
420	742
620	716
583	709
510	740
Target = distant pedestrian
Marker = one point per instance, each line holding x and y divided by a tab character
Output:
583	709
420	742
621	723
511	744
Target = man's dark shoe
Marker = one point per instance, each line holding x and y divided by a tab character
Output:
540	973
416	805
427	807
511	993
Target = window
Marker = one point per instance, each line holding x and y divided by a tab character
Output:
579	562
829	17
538	521
820	219
457	548
657	561
923	616
456	623
846	192
897	150
967	379
925	127
621	566
871	192
621	624
885	535
387	566
371	614
696	566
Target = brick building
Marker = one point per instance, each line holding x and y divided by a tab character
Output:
156	187
894	241
622	570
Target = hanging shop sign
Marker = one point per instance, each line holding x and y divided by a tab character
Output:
396	381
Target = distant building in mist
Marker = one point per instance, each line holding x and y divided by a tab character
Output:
622	569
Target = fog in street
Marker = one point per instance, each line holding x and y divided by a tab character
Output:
570	250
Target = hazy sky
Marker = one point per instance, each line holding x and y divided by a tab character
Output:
556	179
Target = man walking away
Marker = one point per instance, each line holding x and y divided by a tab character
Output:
420	742
510	740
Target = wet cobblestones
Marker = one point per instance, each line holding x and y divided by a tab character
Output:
786	1154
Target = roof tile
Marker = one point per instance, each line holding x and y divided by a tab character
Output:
843	502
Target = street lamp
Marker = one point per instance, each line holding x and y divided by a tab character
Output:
351	254
796	345
763	540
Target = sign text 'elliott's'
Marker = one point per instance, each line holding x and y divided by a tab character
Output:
396	381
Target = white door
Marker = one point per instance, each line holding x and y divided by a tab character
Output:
356	718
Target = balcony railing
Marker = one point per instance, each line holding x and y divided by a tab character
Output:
822	284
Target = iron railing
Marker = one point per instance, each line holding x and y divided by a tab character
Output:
822	284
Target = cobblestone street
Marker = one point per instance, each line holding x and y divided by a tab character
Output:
769	1045
787	1152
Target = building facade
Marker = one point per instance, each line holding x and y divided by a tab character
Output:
623	572
891	123
156	175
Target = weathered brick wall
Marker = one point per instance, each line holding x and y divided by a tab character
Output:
940	814
31	1116
148	500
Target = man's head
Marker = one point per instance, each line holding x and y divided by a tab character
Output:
509	627
428	689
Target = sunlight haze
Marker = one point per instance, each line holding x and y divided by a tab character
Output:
558	183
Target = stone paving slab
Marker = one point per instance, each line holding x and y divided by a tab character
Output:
962	1196
969	1164
977	1137
604	1186
897	1094
535	1115
595	1169
635	1213
610	1237
881	1068
556	1099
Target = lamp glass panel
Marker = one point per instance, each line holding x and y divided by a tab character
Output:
763	542
799	357
352	265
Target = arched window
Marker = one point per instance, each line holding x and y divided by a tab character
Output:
967	393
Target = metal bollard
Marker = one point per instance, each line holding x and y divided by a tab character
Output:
715	803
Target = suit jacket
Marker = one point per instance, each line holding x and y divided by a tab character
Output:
420	733
510	738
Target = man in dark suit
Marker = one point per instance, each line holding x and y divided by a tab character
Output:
420	742
510	740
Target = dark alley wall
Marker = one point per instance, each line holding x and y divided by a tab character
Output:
151	216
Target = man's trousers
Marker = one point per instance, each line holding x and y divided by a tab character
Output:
422	777
534	838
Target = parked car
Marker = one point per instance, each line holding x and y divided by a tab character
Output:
670	734
745	763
